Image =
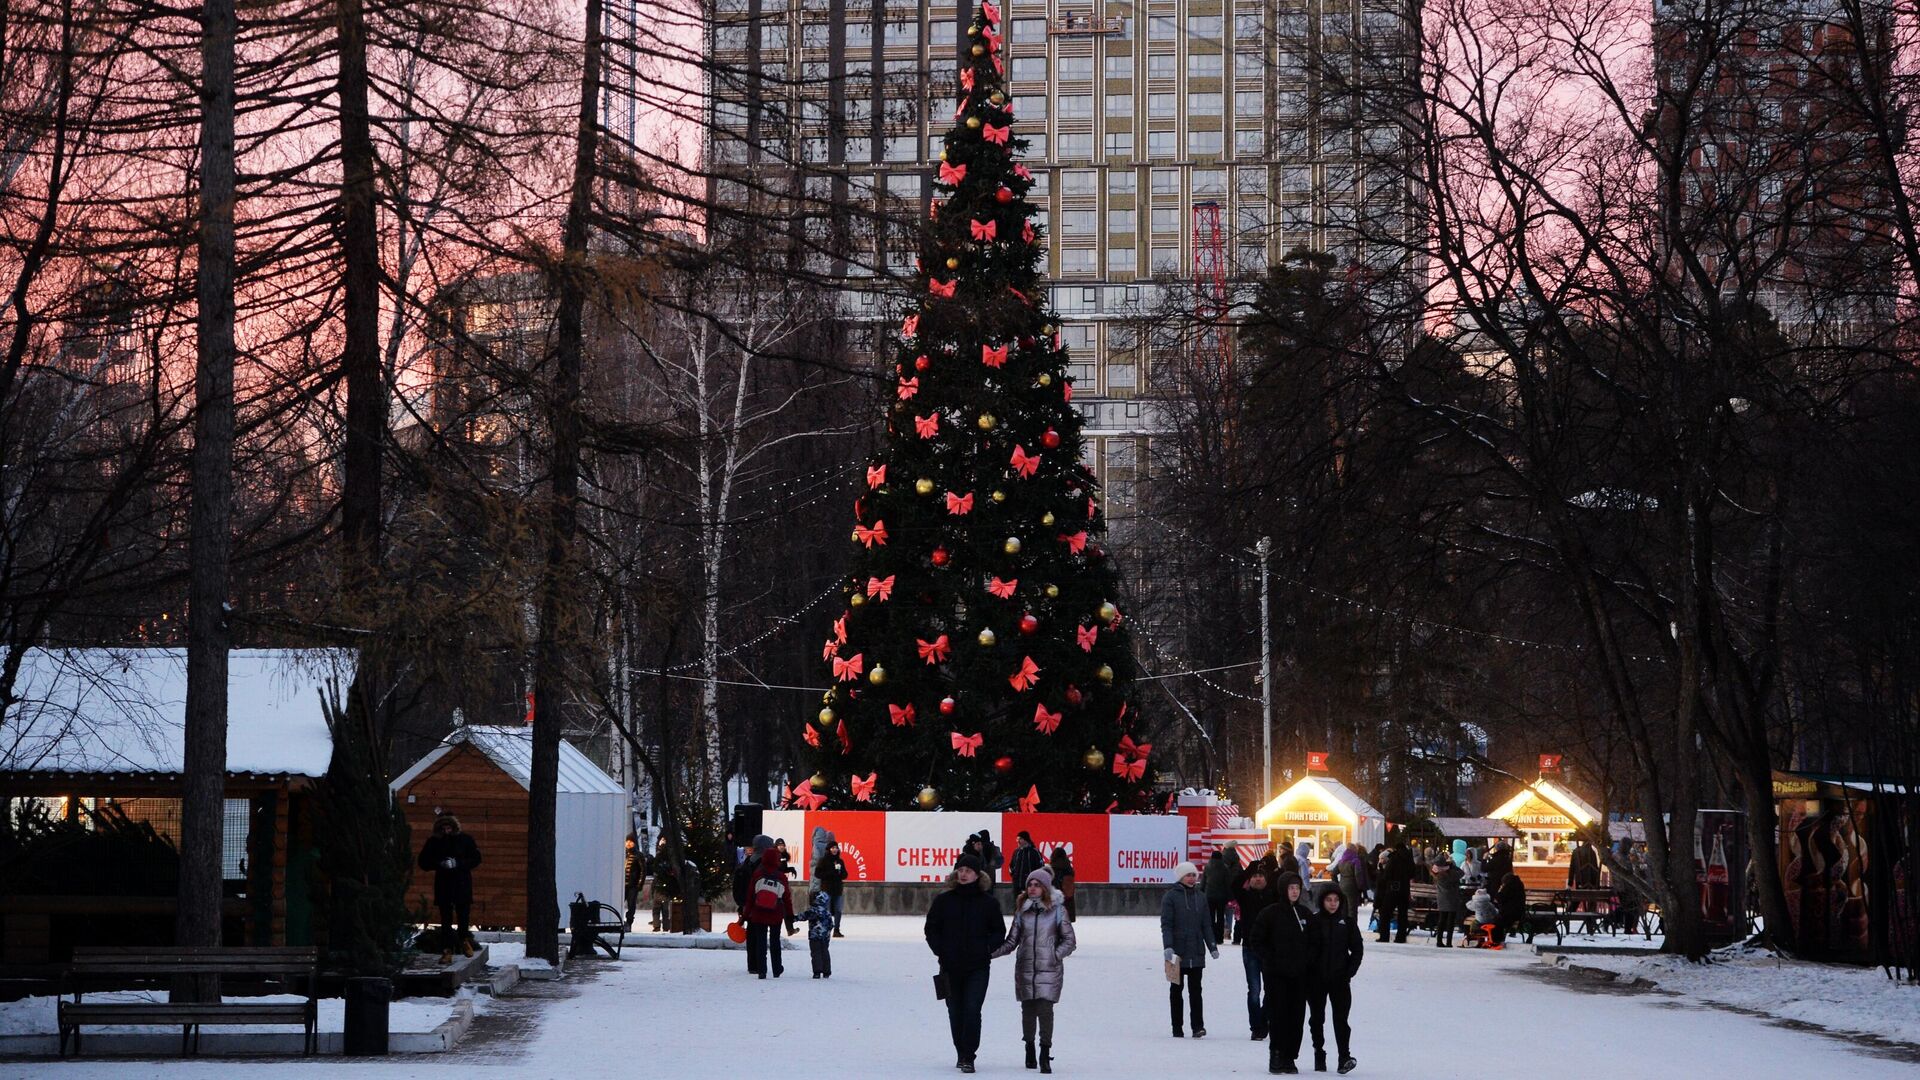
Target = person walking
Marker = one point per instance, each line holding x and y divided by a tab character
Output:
769	904
635	873
451	855
1337	946
830	871
1393	894
1254	892
1349	877
1217	883
743	876
1449	899
1062	866
1040	940
1583	867
963	927
1026	858
1186	939
1280	936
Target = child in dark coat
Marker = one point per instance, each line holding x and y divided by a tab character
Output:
819	916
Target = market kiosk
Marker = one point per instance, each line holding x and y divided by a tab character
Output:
1325	813
1546	815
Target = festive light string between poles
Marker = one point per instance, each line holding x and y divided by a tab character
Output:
780	624
1400	616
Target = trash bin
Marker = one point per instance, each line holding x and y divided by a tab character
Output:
579	922
367	1000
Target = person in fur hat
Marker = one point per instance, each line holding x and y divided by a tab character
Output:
1041	940
451	855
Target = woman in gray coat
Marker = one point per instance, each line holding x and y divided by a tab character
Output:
1449	898
1186	936
1040	940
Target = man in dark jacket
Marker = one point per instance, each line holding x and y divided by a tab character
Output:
1393	895
1510	901
451	855
1335	941
1254	892
743	876
991	860
1217	882
964	927
1026	859
1279	935
1499	864
1583	869
769	903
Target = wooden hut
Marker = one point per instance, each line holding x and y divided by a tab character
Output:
98	734
1547	817
1323	812
481	775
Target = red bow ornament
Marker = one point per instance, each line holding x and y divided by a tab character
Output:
1129	770
806	796
942	289
1077	542
1024	463
1045	722
993	39
1022	172
1086	636
1030	802
984	230
926	425
908	388
1003	589
910	328
830	649
840	732
996	135
993	357
880	587
990	12
847	669
863	789
951	175
966	78
934	652
876	475
901	715
1028	674
840	629
870	537
965	745
1066	390
812	736
959	504
1128	746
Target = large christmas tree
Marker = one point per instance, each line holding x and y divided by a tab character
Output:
981	663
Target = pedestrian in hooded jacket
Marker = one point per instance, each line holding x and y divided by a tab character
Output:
1498	865
830	870
1186	939
1393	897
1449	898
1040	940
769	903
451	855
1280	936
1335	941
1217	882
1254	892
743	876
1061	866
820	933
964	927
1348	873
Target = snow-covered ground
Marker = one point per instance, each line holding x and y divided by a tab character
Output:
1859	1000
1420	1013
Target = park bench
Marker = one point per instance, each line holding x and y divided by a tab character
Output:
1542	916
123	968
1589	909
590	921
1423	906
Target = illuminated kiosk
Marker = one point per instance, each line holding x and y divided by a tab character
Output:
1324	812
1546	816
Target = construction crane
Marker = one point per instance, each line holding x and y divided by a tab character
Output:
1213	349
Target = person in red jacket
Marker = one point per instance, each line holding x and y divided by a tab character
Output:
769	902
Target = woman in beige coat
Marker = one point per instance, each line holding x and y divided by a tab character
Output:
1041	939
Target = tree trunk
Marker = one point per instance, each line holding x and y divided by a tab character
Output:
360	499
202	808
1756	789
551	652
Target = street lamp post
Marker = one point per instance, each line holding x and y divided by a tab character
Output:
1264	549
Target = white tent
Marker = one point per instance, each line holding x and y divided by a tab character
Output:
590	819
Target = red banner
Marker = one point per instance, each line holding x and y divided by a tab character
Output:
1083	835
863	841
1550	763
1317	760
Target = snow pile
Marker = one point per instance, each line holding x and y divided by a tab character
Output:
40	1015
1840	999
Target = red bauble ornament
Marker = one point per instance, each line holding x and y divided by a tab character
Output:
1098	551
1004	195
921	363
1051	439
1003	765
940	556
1073	695
948	706
1029	624
1027	342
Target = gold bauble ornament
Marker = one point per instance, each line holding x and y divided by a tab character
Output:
1044	379
817	780
877	676
987	639
1105	674
1108	612
826	717
1053	592
943	155
1046	518
1093	758
857	600
973	121
927	799
953	262
986	422
923	486
1012	546
998	496
997	98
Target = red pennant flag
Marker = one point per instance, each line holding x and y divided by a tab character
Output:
1317	760
965	745
1046	722
1028	674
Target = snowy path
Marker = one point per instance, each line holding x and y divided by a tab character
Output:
1420	1013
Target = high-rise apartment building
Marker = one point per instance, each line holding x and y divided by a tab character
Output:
1143	118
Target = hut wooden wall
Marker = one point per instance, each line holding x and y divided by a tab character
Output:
492	808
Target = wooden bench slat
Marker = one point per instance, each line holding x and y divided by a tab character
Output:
158	1013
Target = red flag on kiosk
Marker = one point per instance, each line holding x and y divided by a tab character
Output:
1550	763
1317	760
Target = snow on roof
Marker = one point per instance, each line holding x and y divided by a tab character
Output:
1569	805
124	711
511	748
1325	788
1473	827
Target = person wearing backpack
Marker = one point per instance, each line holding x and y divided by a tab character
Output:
769	903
